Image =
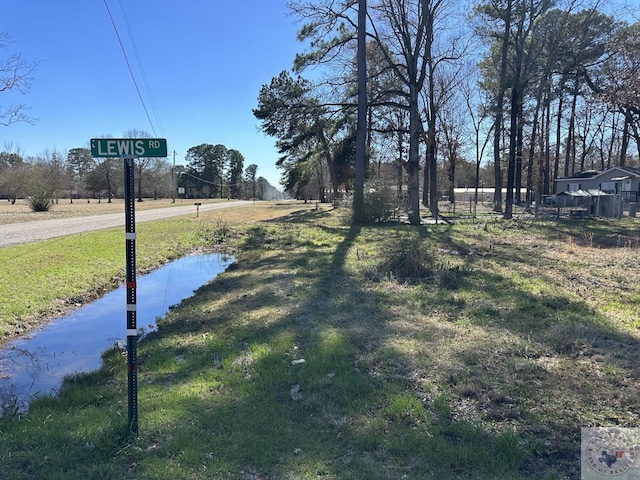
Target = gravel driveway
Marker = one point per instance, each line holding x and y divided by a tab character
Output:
15	233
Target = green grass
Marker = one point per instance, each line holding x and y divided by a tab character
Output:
481	357
44	278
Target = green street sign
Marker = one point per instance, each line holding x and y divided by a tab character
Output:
128	147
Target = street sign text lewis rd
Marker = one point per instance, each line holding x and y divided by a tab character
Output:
128	147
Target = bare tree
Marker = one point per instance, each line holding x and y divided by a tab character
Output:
43	179
478	110
406	34
361	132
12	173
143	163
15	75
499	11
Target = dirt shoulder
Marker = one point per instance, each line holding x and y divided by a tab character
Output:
83	218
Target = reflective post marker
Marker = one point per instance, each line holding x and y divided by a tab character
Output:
129	149
132	330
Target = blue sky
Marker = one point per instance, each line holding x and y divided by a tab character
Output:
204	62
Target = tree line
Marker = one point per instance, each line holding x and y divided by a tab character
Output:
210	172
215	171
512	93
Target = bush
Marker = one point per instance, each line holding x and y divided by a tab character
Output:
379	203
406	259
40	200
40	186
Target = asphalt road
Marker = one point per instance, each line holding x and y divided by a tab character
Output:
16	233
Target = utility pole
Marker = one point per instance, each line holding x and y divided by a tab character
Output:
173	179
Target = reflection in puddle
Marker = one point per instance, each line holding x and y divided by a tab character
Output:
72	344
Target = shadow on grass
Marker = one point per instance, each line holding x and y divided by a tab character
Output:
331	415
590	232
302	216
292	366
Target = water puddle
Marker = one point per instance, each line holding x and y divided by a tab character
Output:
36	365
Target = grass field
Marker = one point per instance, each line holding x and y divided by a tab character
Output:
20	211
468	351
44	279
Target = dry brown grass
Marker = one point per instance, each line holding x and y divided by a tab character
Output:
20	211
259	211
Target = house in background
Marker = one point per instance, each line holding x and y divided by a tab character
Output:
624	181
603	193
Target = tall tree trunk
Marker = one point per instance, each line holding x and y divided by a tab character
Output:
426	177
322	190
625	137
333	176
497	169
532	148
547	147
452	172
636	136
361	133
556	160
511	165
432	120
433	180
569	157
516	104
425	182
614	127
139	179
400	169
502	87
414	156
519	147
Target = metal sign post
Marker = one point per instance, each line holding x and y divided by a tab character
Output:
129	149
132	330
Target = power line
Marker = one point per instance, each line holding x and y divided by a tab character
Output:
211	183
129	67
141	68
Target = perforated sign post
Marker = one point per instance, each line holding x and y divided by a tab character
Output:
129	149
132	329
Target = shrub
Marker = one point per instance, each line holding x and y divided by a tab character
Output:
406	259
40	186
379	203
40	200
